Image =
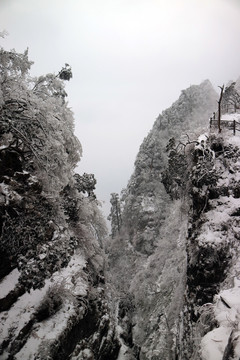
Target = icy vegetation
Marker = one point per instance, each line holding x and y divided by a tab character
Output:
165	284
52	299
220	232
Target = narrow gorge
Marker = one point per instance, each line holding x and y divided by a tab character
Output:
165	284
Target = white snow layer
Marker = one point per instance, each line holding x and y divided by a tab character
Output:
214	343
8	283
227	302
12	321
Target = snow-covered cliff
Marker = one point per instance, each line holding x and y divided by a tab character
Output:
178	242
213	250
166	284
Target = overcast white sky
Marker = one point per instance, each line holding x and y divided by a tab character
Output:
130	60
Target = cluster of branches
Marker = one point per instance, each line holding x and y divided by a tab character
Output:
86	184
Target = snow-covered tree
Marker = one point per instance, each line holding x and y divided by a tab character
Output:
42	207
231	98
115	214
36	120
65	73
86	183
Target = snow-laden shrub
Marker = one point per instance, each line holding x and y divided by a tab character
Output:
51	302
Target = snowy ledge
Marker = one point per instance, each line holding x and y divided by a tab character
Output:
227	314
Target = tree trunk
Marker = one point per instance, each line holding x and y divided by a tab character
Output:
219	108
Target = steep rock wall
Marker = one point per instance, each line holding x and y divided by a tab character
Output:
148	258
212	245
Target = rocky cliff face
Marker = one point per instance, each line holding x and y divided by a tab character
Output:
212	237
146	201
175	248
